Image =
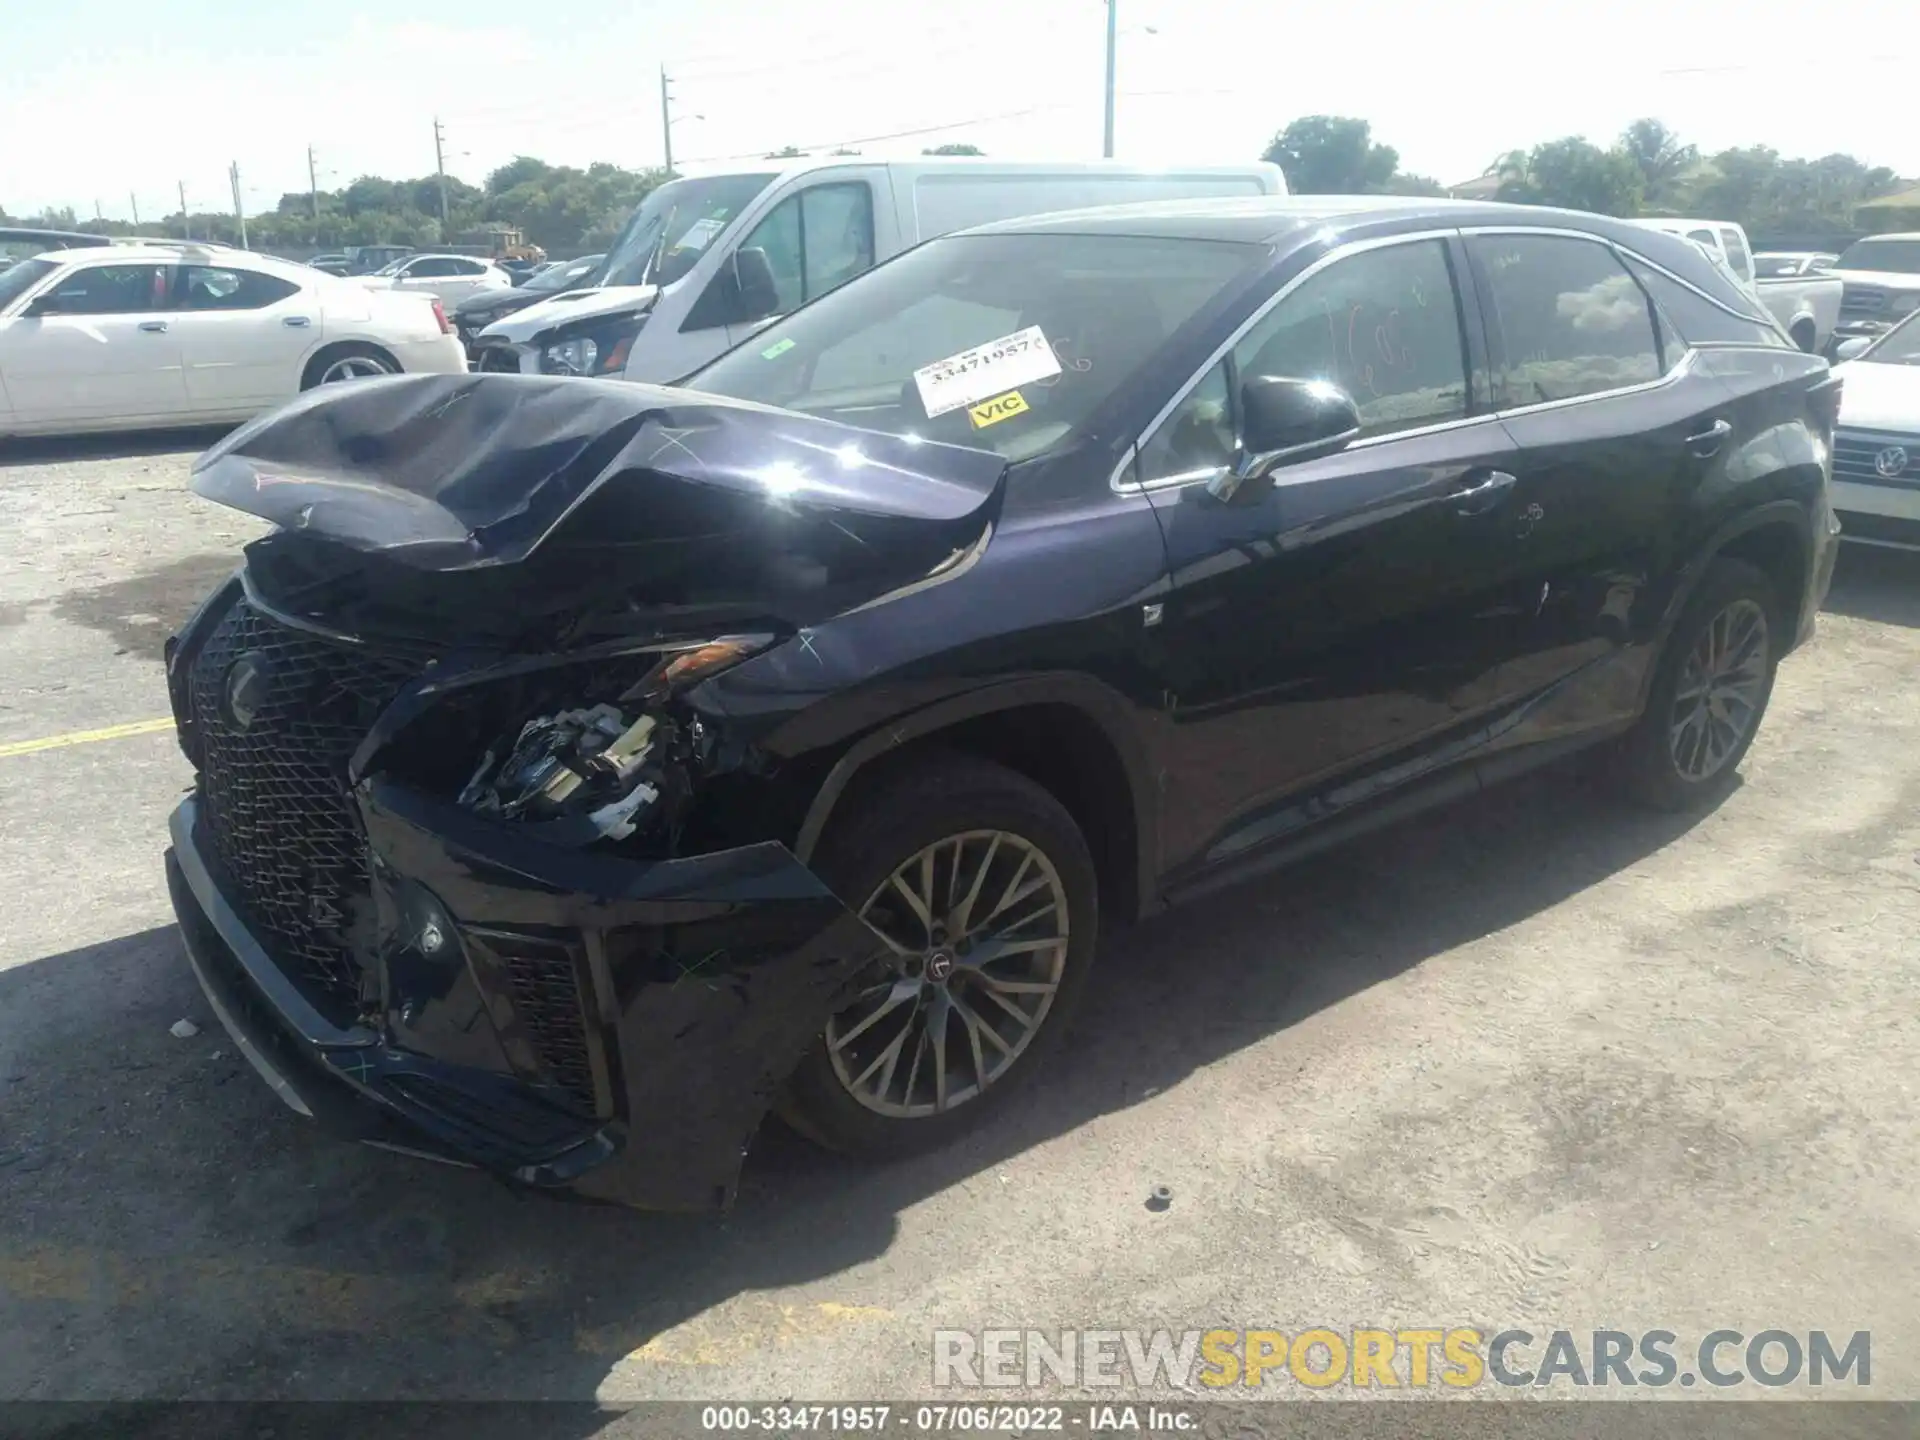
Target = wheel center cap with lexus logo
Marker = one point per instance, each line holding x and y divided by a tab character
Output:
248	679
1891	461
939	967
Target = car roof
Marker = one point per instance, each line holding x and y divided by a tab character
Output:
1890	235
179	252
1269	219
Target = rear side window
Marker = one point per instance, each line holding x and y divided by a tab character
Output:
206	287
1737	255
1564	319
431	269
1697	319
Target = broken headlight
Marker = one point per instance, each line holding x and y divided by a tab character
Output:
606	771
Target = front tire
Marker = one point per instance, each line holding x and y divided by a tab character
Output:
985	896
1709	694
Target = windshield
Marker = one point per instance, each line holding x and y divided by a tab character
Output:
1001	342
674	225
21	277
1899	256
392	267
563	274
1899	346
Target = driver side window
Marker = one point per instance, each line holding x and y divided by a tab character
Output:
1383	325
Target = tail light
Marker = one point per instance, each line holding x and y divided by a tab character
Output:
440	317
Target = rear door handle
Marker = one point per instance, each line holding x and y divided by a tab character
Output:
296	322
1708	442
1485	490
154	327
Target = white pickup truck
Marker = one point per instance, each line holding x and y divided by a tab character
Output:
1807	305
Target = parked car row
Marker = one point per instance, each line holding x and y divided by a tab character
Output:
785	740
126	337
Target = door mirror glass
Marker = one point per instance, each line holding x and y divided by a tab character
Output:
1851	349
1284	421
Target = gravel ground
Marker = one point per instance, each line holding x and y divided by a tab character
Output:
1539	1061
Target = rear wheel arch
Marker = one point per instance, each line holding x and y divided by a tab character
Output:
1777	539
1069	735
327	355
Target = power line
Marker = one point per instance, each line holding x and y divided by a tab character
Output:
895	134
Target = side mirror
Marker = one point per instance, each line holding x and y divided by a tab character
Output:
1851	349
758	298
1284	421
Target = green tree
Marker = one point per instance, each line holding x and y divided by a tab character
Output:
786	152
1332	155
1573	173
1663	162
954	149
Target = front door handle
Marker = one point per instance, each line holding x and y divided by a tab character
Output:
1485	489
296	322
1708	442
154	327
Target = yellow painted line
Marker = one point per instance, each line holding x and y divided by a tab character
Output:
84	737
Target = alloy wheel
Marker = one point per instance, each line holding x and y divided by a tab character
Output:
976	931
354	367
1722	685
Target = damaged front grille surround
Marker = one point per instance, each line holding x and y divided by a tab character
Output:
277	714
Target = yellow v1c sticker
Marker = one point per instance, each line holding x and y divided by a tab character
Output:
1001	407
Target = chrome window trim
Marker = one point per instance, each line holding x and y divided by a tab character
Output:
1675	372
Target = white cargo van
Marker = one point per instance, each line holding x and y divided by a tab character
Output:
708	259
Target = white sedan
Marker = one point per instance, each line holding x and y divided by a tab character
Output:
128	337
1876	448
449	278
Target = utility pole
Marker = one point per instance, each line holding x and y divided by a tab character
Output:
666	120
440	166
313	183
186	225
239	210
1113	41
98	213
134	201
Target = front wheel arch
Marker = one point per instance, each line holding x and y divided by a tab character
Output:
1126	837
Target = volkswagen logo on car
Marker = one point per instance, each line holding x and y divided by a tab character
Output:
1890	461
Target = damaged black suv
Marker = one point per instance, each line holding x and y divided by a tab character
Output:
585	769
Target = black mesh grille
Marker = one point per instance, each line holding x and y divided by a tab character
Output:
545	984
274	795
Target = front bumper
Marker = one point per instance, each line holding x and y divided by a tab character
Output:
697	984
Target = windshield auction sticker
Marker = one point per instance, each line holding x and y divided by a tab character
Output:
985	371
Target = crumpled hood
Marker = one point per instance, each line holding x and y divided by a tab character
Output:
571	307
591	493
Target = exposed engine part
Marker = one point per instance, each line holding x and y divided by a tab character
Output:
577	775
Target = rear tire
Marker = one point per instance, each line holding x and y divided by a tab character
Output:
1710	693
953	838
349	361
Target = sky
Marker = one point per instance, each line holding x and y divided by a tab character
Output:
114	103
